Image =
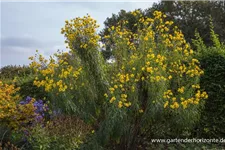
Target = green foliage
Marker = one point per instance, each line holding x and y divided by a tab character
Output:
39	138
10	72
213	81
22	77
213	62
62	133
27	88
12	139
4	133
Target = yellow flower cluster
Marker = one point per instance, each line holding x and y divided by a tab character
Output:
136	12
175	102
8	101
191	70
156	56
119	89
56	75
83	31
157	53
10	111
122	100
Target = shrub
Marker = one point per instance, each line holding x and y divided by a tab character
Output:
9	72
213	63
23	78
28	88
145	93
62	132
12	113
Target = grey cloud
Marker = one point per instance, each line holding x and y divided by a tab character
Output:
15	56
27	42
16	50
20	55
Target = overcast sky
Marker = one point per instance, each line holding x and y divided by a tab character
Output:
27	26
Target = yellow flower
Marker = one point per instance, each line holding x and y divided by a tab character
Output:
181	90
120	104
170	77
198	94
111	89
152	56
157	78
176	105
184	103
182	99
174	98
148	63
115	86
196	102
127	104
112	99
149	69
106	95
141	111
166	104
197	86
123	95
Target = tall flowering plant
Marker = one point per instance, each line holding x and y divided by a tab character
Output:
152	84
155	80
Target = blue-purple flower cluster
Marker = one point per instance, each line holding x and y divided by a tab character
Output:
41	108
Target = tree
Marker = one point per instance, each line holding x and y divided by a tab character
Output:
189	16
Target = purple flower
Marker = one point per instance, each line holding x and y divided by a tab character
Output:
40	101
28	99
40	110
22	102
38	118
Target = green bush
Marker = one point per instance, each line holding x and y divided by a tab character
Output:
23	77
62	133
212	61
27	88
9	72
